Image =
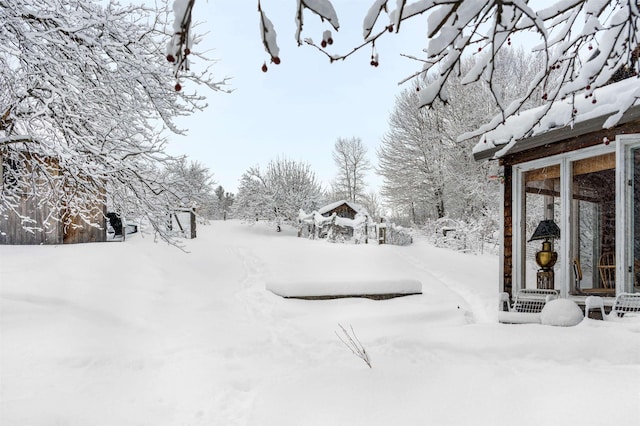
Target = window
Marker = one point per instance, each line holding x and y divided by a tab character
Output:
593	224
542	202
629	213
593	196
635	211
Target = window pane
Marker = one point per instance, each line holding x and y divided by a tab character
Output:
636	219
593	224
542	202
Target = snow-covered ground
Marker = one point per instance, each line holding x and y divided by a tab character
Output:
139	333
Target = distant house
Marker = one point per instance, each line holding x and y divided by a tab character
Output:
571	195
45	225
336	220
343	208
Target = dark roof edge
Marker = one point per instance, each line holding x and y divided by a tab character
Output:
562	133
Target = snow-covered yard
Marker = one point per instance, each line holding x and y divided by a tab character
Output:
139	333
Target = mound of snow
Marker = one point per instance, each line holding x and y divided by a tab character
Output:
344	288
561	312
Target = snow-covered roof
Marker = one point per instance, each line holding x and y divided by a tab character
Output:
615	103
329	207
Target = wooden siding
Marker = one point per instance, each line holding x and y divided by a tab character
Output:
52	230
30	206
343	210
12	232
80	232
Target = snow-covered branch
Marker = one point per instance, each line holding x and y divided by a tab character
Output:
586	43
84	95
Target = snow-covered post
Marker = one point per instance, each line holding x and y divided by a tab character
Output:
382	233
366	229
360	228
331	233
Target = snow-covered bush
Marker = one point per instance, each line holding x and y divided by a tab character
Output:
364	228
337	229
398	236
475	235
335	232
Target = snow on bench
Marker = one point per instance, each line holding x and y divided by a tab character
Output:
527	306
378	289
625	303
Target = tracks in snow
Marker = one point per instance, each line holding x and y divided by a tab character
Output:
471	305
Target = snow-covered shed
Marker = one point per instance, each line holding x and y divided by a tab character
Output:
342	208
339	219
44	224
571	183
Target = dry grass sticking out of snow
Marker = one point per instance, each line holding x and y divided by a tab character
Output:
139	333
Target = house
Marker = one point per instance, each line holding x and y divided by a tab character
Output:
337	220
342	214
571	200
343	208
45	225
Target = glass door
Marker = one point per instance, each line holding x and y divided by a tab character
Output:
542	209
635	219
593	225
628	198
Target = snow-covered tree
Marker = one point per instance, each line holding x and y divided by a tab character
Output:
193	183
253	199
224	202
85	97
427	173
372	203
585	43
469	193
278	194
413	158
350	157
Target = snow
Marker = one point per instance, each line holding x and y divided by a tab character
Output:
611	101
331	206
180	8
508	317
344	288
141	333
372	16
325	9
562	313
269	35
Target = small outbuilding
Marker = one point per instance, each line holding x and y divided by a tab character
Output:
341	219
343	208
182	221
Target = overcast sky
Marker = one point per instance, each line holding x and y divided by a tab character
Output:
299	108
